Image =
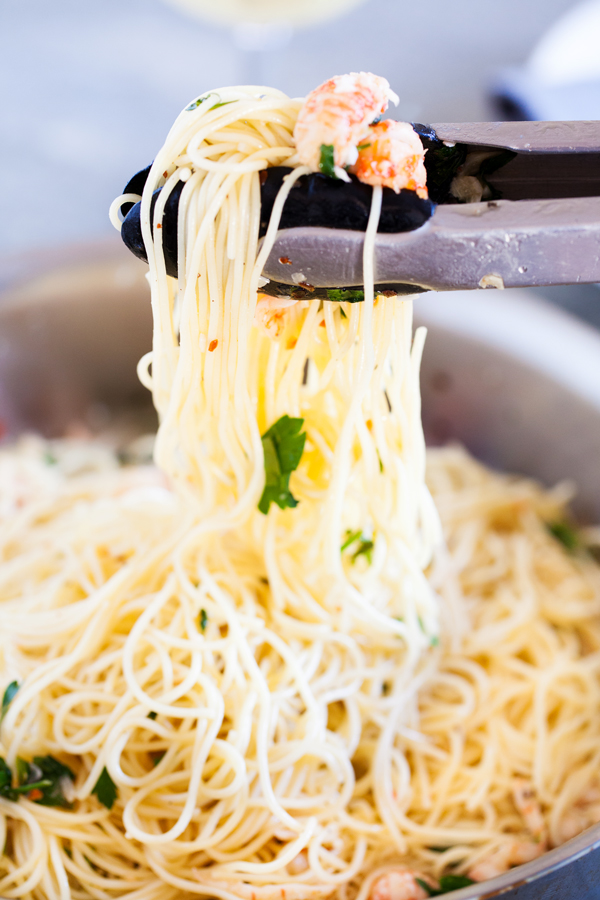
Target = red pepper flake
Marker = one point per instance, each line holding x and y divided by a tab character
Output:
159	225
212	346
285	261
165	174
292	343
35	794
322	323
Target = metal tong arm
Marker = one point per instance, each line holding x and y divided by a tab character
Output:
525	137
498	243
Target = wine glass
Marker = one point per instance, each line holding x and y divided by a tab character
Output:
260	27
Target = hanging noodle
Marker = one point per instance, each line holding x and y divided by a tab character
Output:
281	718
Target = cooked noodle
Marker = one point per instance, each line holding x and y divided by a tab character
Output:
282	718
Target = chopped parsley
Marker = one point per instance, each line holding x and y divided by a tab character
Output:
203	620
158	758
42	781
327	162
56	773
351	536
199	100
283	445
341	295
152	715
105	789
5	780
447	883
222	103
196	103
7	698
566	534
365	546
363	146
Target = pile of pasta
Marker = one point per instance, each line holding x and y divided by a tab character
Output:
103	623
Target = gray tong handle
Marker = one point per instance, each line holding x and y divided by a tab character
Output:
498	243
525	137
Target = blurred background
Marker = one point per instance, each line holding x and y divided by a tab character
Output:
89	90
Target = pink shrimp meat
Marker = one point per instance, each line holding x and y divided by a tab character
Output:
338	113
392	155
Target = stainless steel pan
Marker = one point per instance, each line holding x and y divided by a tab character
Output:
515	380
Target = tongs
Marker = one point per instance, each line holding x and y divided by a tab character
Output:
539	226
511	204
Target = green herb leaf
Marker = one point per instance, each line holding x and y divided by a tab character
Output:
327	162
343	314
49	458
196	103
199	100
105	789
454	883
44	775
365	549
203	620
7	697
158	758
152	715
340	295
32	786
434	642
222	103
447	883
5	780
362	146
566	534
283	445
351	537
51	770
23	769
29	778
